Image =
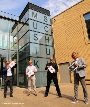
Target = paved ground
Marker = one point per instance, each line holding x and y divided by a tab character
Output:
21	99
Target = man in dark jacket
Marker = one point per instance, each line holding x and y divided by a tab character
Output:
52	76
5	73
8	78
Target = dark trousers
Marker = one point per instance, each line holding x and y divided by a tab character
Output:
13	80
8	80
76	84
54	78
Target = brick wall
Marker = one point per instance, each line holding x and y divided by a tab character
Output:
69	31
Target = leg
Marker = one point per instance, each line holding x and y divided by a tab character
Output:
33	83
76	84
82	80
29	85
48	86
55	80
11	87
5	87
12	80
4	84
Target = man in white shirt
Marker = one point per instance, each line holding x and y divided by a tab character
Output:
8	78
30	72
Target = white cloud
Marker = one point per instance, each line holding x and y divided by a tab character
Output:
58	6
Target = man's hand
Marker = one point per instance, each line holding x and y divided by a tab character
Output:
77	64
34	71
26	74
54	72
8	67
15	60
48	66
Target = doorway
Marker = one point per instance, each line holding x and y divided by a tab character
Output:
65	76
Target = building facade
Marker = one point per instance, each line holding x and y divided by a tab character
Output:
71	30
31	40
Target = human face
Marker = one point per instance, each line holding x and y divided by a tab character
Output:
51	59
74	55
30	63
7	63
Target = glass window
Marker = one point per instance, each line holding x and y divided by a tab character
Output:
12	55
4	54
39	63
25	17
14	46
87	21
4	41
39	27
40	50
4	33
24	40
15	39
40	38
23	30
87	16
24	52
39	16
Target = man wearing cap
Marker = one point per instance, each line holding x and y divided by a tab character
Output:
30	73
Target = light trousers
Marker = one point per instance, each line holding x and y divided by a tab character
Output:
76	84
31	82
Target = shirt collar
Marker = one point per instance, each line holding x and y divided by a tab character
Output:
76	59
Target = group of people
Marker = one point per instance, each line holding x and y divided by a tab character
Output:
77	65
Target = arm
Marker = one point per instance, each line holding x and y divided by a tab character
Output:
72	66
46	67
83	64
15	65
4	69
35	70
56	68
27	71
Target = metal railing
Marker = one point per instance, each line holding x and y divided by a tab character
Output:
8	15
11	16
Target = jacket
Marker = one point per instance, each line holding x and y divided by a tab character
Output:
5	71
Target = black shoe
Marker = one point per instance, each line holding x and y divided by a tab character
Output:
4	95
45	95
59	95
11	95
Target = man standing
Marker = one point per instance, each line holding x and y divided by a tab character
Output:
8	78
30	72
79	75
52	76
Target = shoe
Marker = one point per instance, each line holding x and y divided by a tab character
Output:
35	94
86	102
45	95
59	95
11	95
4	95
74	101
28	94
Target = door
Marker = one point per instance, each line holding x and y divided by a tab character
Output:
65	76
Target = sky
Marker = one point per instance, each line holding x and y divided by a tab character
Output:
55	7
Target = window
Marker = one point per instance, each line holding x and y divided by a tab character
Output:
87	21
